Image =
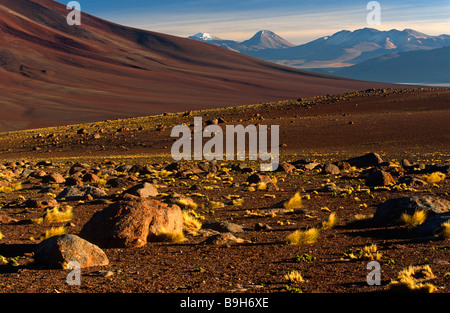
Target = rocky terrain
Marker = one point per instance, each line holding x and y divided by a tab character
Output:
363	177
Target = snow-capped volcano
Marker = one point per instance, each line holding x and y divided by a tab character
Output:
264	39
204	37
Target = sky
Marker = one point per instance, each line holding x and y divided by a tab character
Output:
295	20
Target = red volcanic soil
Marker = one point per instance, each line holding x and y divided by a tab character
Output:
55	74
397	124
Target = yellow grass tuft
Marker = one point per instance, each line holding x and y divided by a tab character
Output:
435	177
414	220
191	223
331	222
446	230
166	236
55	215
54	231
238	202
186	203
215	204
11	188
371	253
293	203
294	277
303	236
261	186
412	279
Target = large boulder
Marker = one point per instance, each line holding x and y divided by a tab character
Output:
366	160
57	251
390	212
132	223
80	192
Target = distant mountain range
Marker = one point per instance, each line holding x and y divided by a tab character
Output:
356	50
262	40
424	66
54	74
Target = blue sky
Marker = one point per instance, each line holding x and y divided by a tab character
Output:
296	20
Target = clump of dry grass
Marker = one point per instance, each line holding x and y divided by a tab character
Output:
186	203
191	222
54	231
412	279
294	277
435	177
366	253
293	203
303	236
166	236
330	222
11	188
55	215
215	204
238	202
371	253
415	219
446	230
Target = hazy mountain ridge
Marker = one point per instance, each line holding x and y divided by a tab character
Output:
353	54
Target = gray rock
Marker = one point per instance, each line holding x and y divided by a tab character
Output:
330	188
310	166
224	227
262	226
331	169
57	251
390	212
80	192
222	239
143	190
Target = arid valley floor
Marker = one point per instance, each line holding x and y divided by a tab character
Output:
407	128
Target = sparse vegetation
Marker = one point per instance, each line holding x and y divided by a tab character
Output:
166	236
293	203
445	230
435	177
412	221
412	279
294	276
330	222
303	236
11	188
54	231
191	223
55	215
366	253
305	257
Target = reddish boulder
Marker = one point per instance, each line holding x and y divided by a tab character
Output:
132	223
